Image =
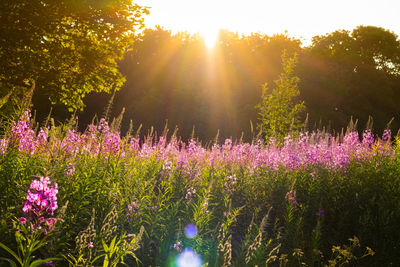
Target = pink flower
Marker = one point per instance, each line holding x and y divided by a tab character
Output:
190	194
320	212
178	246
22	220
26	207
49	263
291	197
41	202
50	223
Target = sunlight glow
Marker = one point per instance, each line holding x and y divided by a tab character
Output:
210	37
300	18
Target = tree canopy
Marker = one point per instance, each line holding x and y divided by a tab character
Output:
176	78
68	47
355	74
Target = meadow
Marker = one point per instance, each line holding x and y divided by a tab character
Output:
96	198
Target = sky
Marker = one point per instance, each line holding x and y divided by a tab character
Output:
301	19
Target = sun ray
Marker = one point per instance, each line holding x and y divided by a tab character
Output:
210	37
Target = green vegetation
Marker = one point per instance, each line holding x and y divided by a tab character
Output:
279	114
89	196
175	77
69	48
314	201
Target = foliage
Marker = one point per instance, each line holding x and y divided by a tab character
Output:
161	200
278	110
69	48
175	78
342	71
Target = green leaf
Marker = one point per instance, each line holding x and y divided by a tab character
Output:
106	261
37	244
98	257
4	99
105	247
12	263
11	252
112	245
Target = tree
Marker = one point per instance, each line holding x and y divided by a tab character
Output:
68	47
278	110
352	73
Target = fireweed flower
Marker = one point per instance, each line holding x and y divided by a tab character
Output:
21	127
291	197
205	206
103	126
190	194
134	144
320	213
177	246
387	136
41	139
3	145
111	143
309	150
49	263
167	166
23	135
368	139
71	142
133	209
41	202
229	185
70	170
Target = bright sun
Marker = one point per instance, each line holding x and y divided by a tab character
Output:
210	37
269	17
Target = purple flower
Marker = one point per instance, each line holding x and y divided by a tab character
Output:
368	138
320	212
291	197
230	184
22	220
70	170
314	175
178	246
190	194
49	263
111	143
41	202
3	145
387	135
133	209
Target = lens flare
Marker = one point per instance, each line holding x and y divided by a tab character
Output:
188	258
190	231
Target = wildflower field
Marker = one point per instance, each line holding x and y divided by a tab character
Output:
98	199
